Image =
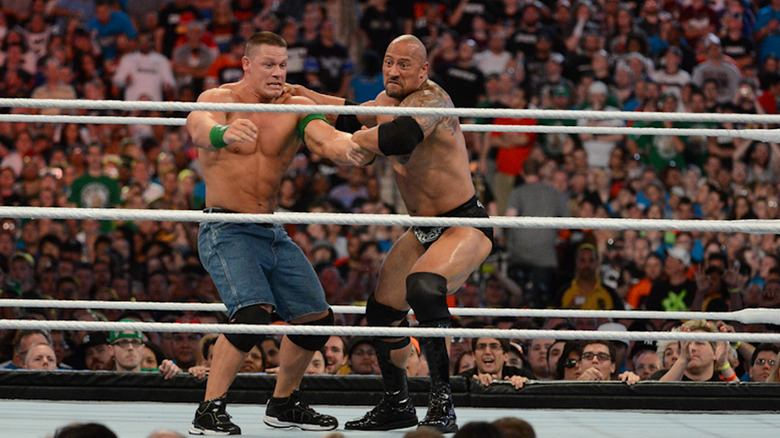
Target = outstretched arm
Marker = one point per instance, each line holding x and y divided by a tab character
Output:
401	135
328	142
209	129
326	99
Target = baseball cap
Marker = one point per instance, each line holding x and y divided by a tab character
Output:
93	339
561	90
598	87
614	327
126	334
680	254
640	346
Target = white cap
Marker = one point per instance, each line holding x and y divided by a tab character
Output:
680	254
614	327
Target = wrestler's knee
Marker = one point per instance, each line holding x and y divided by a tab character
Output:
256	314
426	293
313	342
380	315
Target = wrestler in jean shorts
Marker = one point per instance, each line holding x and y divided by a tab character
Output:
259	264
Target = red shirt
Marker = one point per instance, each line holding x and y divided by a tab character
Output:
509	161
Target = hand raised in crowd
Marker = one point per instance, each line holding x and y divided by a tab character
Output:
628	377
487	379
593	374
199	371
168	369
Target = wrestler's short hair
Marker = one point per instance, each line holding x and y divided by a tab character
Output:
263	38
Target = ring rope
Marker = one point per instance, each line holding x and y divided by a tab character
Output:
745	316
754	226
278	329
772	135
390	110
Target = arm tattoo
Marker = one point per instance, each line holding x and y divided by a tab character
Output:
431	97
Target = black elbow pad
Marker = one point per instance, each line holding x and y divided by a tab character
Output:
400	136
348	122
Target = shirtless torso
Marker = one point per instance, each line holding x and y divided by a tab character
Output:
435	177
245	176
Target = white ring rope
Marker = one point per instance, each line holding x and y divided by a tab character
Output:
771	135
277	329
391	110
745	316
754	226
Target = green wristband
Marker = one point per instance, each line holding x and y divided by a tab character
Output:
216	134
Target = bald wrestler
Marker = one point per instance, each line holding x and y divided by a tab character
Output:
431	167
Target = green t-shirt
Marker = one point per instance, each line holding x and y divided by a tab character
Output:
658	150
95	192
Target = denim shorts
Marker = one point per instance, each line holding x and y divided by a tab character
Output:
254	264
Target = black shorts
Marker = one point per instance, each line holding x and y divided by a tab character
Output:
471	208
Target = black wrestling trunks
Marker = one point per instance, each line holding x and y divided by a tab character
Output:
471	208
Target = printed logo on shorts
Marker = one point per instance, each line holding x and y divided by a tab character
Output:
428	236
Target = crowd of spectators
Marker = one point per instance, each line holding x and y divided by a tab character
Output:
691	56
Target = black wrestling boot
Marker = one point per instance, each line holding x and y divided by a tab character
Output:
289	412
395	410
441	414
387	415
211	419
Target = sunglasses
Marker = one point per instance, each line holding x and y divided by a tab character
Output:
762	362
571	363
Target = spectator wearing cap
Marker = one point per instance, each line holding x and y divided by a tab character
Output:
361	357
598	363
761	363
599	146
586	290
552	77
490	356
671	78
646	363
128	348
145	74
416	365
725	73
98	354
621	346
677	291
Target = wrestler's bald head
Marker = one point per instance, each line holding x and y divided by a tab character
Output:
413	44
